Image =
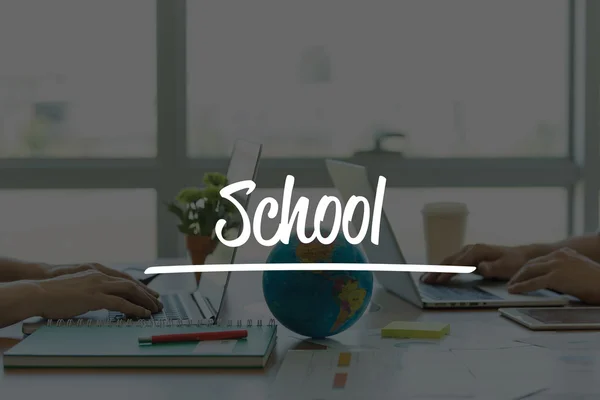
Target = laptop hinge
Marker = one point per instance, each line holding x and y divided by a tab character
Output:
205	308
421	298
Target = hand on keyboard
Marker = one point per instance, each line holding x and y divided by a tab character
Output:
565	271
500	262
71	295
172	310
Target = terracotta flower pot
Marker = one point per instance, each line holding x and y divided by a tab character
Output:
199	248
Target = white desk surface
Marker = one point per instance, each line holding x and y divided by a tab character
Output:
483	340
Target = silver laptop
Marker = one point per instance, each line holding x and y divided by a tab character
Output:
464	291
205	303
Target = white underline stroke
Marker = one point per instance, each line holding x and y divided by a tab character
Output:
181	269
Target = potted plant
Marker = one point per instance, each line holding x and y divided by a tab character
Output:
198	210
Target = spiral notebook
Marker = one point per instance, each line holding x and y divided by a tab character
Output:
99	345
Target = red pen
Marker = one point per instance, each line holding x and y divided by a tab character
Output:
194	337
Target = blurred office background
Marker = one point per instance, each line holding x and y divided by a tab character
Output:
108	108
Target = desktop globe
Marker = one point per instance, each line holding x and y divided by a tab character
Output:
317	304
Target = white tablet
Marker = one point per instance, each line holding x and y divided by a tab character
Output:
553	318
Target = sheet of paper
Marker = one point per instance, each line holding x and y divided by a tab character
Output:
408	373
564	340
12	332
215	347
377	374
499	390
565	395
515	362
369	340
562	370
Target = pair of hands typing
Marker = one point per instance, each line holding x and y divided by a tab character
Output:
68	291
562	270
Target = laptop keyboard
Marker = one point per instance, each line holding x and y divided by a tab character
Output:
456	293
172	309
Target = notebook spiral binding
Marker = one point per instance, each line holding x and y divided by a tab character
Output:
156	323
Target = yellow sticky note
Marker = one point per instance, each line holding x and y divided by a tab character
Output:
344	359
415	330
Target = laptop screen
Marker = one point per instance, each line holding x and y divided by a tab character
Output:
353	180
243	165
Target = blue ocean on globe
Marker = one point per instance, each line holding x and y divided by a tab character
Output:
317	304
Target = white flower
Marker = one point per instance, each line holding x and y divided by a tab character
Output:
196	227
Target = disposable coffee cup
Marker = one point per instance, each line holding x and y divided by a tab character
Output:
445	227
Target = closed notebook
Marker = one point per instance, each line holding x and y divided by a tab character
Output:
98	346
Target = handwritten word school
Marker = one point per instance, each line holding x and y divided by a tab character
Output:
299	214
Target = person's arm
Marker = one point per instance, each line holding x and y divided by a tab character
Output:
17	302
12	270
15	270
503	262
565	271
71	295
587	245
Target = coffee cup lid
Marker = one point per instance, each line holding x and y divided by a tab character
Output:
445	208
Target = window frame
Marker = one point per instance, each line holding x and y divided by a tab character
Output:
578	172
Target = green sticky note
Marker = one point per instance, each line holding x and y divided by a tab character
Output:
415	330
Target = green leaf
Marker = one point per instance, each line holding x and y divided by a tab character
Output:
175	209
215	179
190	195
205	216
183	229
212	193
